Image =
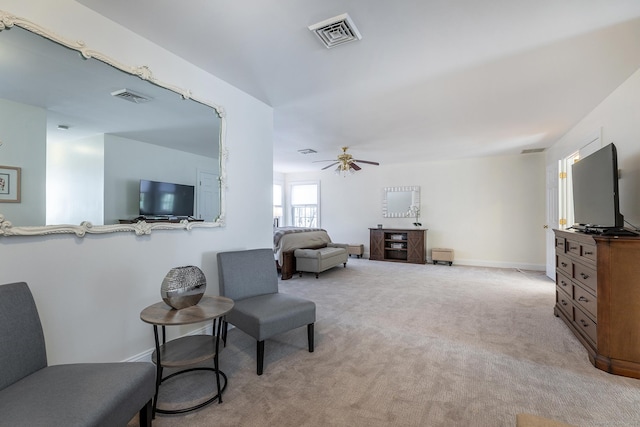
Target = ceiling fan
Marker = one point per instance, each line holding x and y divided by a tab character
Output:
346	162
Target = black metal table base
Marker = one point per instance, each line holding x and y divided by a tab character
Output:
200	405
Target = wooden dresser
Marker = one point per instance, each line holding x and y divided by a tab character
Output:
598	297
399	245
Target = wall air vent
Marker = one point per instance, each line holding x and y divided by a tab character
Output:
336	31
130	96
532	150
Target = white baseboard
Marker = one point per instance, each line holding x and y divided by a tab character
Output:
479	263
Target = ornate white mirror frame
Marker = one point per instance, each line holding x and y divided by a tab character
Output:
397	201
8	21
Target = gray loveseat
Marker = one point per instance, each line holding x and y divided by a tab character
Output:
87	394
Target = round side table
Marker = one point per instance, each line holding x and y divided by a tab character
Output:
190	349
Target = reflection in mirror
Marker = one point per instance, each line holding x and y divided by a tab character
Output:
85	131
397	201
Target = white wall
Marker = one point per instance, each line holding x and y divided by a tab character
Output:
75	181
90	290
618	118
20	124
491	211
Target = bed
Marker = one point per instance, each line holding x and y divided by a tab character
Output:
287	239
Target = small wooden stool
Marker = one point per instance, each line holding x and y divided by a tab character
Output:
354	249
442	255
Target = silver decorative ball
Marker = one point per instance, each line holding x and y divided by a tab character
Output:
183	286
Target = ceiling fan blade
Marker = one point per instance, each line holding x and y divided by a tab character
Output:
367	161
327	167
317	161
354	166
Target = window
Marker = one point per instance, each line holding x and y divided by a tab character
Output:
305	210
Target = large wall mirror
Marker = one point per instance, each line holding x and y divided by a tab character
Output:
397	201
84	130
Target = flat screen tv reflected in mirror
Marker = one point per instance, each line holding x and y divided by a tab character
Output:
165	199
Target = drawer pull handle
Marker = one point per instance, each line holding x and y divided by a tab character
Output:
563	283
584	276
572	248
583	299
588	253
564	302
564	264
584	324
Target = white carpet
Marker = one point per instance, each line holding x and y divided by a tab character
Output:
415	345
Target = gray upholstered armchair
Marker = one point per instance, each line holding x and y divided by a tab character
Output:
87	394
250	278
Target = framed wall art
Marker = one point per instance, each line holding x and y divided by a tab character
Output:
9	184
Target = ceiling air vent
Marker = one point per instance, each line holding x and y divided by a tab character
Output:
336	31
130	96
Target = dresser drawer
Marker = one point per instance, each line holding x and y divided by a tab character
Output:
563	301
564	264
586	275
573	247
581	250
588	252
560	244
563	282
586	300
585	325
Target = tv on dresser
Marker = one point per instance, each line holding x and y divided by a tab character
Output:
596	200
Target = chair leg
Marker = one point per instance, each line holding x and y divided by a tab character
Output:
145	414
310	336
260	357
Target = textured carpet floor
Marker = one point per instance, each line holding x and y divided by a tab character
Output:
414	345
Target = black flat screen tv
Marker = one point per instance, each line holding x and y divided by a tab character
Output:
595	191
166	199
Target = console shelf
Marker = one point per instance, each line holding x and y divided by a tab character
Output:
397	245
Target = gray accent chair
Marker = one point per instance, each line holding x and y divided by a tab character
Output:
86	394
250	278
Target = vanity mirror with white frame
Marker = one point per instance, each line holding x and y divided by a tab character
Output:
84	129
397	201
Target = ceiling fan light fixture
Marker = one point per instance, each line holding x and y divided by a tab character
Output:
346	163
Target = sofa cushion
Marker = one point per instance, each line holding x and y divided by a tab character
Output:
322	253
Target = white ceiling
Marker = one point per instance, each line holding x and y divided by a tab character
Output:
430	79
